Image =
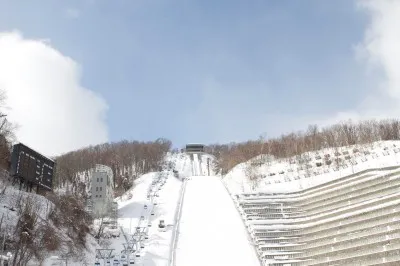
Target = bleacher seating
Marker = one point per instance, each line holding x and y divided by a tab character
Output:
353	220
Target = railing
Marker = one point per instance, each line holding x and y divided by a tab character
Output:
351	220
178	214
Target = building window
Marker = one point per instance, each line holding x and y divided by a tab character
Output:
97	188
97	179
96	196
101	189
99	196
101	180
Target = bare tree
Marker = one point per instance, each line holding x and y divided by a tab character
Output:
7	133
299	144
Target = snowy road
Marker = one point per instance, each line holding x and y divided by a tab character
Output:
211	230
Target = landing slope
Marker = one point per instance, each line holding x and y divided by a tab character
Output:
211	230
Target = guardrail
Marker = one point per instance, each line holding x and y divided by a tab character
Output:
178	214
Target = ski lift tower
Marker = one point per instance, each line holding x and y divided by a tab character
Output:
114	213
104	253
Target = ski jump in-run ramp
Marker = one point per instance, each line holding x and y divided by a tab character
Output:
211	231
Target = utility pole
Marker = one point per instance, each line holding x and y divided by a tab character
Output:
208	166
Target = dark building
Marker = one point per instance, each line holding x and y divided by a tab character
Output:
195	148
31	168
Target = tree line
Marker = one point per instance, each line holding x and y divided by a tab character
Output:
7	130
127	159
313	138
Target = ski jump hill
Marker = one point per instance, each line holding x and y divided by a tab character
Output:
334	207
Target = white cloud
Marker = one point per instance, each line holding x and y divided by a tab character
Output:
72	13
55	113
381	45
379	53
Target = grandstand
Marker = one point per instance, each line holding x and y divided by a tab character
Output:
353	220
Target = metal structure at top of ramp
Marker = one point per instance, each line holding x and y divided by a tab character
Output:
195	148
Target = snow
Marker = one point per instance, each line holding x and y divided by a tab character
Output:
196	165
157	249
211	231
365	169
203	226
182	163
130	211
191	225
12	199
288	175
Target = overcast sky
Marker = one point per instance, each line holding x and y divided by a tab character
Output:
82	72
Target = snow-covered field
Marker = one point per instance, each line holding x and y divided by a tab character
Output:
211	230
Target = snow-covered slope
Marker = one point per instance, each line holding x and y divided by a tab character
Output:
181	163
154	197
202	225
151	200
310	169
159	245
196	165
12	205
334	206
211	230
